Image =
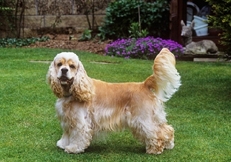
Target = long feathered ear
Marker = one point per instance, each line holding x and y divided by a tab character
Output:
53	81
82	87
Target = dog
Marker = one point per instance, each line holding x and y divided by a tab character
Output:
200	47
86	106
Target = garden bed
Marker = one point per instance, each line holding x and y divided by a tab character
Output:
98	47
62	41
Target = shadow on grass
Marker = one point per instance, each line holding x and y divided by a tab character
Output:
104	148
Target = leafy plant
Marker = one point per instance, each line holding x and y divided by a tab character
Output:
19	42
86	35
121	14
143	48
136	31
221	19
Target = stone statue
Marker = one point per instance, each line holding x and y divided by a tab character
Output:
201	47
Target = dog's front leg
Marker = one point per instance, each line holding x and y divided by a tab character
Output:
80	139
64	141
81	134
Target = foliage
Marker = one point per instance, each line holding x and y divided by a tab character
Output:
121	14
11	19
144	48
221	19
136	32
86	35
19	42
7	17
199	112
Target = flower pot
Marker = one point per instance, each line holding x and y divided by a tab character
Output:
201	30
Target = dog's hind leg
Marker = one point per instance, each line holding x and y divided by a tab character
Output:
164	140
167	134
154	144
156	137
148	133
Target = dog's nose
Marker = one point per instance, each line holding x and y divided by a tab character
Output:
64	70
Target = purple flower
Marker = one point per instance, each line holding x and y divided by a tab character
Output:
144	48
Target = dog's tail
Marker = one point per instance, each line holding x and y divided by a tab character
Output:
165	80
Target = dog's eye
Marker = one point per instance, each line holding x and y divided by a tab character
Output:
72	66
59	64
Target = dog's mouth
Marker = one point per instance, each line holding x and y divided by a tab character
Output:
65	81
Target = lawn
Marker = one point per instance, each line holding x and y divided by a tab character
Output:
200	111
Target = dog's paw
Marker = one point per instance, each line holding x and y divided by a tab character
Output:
154	151
73	149
60	144
169	145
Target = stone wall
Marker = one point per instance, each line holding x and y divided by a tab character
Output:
41	16
34	24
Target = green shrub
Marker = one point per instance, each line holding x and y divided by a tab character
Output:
221	19
136	32
120	14
86	35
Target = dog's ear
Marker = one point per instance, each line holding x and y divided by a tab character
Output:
82	87
53	81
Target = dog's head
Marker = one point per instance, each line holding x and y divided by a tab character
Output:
67	77
66	66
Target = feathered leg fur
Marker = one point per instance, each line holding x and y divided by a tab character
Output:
76	124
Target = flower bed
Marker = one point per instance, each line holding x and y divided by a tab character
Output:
142	48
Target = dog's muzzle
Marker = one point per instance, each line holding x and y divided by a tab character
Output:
64	80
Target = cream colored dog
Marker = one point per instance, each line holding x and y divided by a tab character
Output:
86	106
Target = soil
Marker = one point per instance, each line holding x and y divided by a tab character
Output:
72	42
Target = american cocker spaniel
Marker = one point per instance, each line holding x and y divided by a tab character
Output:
86	106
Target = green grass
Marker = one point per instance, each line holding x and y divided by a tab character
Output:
200	111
